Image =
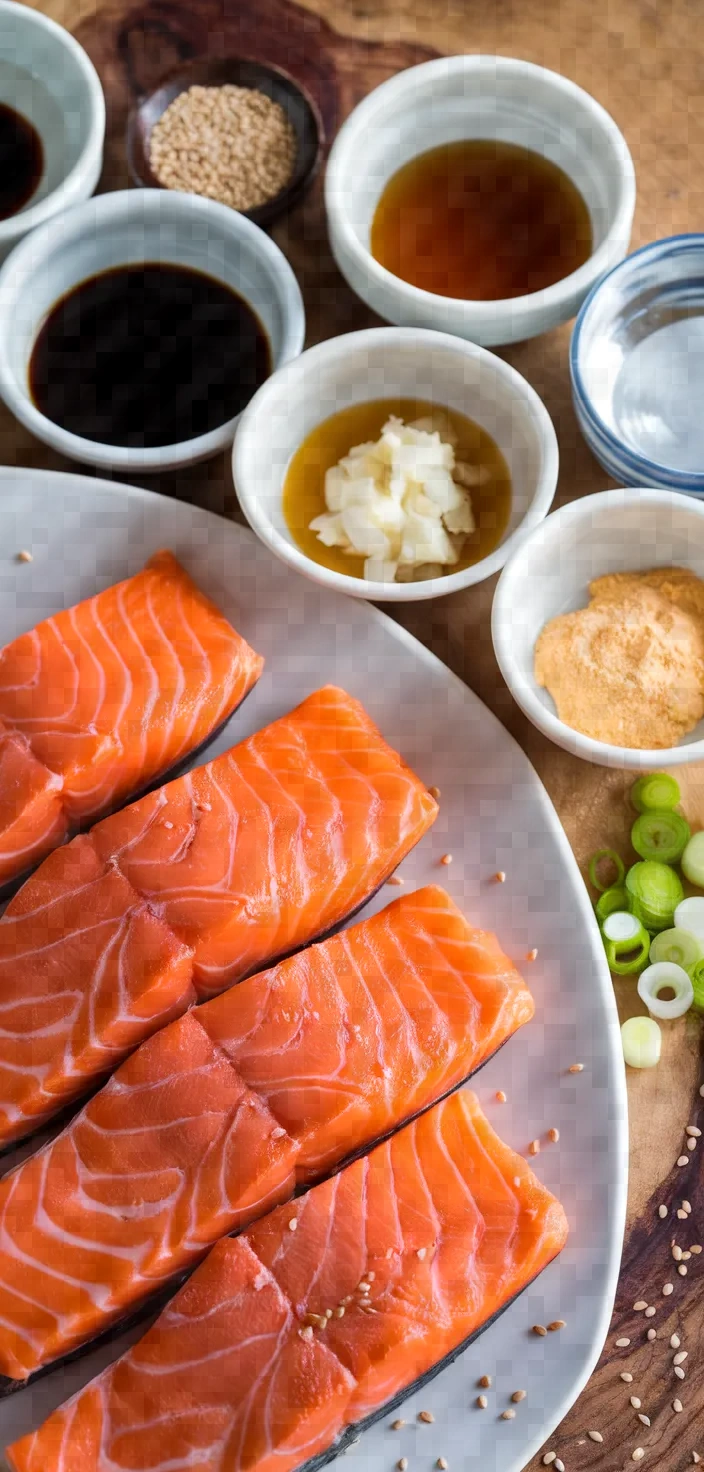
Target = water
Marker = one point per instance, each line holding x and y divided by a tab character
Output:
658	402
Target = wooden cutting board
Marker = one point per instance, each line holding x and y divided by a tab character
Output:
644	60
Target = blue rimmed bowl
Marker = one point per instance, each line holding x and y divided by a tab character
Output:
637	367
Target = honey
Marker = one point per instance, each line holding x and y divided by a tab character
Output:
481	220
325	446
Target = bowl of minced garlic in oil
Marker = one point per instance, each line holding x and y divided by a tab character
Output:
598	627
629	668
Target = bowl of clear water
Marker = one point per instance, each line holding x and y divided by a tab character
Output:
637	367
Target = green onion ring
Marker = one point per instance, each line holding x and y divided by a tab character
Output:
612	899
662	835
657	790
600	857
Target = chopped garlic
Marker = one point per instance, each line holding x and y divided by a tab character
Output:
398	502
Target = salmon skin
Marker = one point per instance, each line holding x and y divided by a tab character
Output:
101	699
285	1339
225	1112
189	890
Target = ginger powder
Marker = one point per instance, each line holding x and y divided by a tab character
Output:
629	668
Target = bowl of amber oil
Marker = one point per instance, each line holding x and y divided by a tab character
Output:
395	463
478	195
52	122
240	131
135	328
633	666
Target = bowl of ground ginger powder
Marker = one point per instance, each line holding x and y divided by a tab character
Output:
598	628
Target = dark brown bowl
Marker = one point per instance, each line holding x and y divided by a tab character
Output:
299	107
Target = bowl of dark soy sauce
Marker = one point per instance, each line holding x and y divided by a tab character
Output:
52	122
136	328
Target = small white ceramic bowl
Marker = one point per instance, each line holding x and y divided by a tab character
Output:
46	77
617	531
125	228
465	97
379	364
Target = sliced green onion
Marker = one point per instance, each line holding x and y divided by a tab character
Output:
696	977
642	1040
689	915
657	790
612	899
602	856
680	947
626	943
654	892
693	860
663	976
660	835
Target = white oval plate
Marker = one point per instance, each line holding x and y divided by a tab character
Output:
494	814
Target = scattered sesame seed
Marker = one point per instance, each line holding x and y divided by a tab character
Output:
595	1436
625	1375
421	1251
636	1403
696	1457
644	1419
540	1330
516	1180
441	1464
24	556
518	1396
534	1147
559	1466
548	1458
686	1256
680	1358
500	876
683	1160
693	1131
339	1312
370	1277
682	1269
652	1334
622	1343
555	1325
667	1289
682	1216
508	1415
650	1313
679	1372
396	1425
662	1211
553	1136
394	879
345	1302
426	1417
576	1068
677	1253
639	1306
638	1454
446	859
695	1248
278	1133
293	1225
691	1144
402	1464
363	1287
701	1091
500	1096
485	1382
532	955
677	1406
434	792
482	1402
675	1341
328	1313
306	1332
687	1206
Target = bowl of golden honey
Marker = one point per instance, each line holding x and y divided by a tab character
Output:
395	464
479	195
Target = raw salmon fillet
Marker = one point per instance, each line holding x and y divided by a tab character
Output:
412	1250
220	1115
192	888
100	699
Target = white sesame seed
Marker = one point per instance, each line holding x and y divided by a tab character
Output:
548	1458
662	1212
677	1253
553	1136
682	1216
306	1332
293	1225
683	1160
396	1425
686	1256
636	1403
482	1402
650	1313
675	1341
639	1306
693	1131
679	1372
517	1180
701	1091
645	1419
500	876
420	1252
508	1415
682	1269
696	1457
518	1396
622	1343
441	1464
559	1466
24	556
625	1375
540	1330
532	955
638	1454
687	1206
695	1248
595	1435
667	1289
402	1464
680	1358
677	1406
446	859
534	1147
691	1144
652	1334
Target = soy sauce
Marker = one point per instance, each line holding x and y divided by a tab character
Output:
481	220
21	161
148	355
